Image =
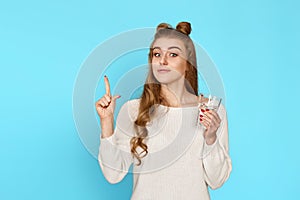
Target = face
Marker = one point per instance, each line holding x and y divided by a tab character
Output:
169	60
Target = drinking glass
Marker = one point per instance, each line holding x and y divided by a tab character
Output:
213	103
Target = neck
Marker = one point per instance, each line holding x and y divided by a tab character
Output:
175	93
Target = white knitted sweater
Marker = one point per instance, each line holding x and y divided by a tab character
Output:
179	164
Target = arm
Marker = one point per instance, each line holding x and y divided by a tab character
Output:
114	157
114	152
216	159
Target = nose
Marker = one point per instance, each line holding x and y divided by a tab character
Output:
163	59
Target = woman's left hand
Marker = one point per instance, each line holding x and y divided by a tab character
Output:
211	120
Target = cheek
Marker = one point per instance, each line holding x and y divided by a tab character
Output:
180	66
154	60
154	69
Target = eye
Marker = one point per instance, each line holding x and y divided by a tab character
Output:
156	54
173	54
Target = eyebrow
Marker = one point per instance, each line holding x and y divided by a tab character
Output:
173	47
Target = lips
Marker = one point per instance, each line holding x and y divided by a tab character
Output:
163	70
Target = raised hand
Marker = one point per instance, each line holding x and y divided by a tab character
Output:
105	106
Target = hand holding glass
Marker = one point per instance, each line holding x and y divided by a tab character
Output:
213	103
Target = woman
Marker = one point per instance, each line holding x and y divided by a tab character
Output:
176	154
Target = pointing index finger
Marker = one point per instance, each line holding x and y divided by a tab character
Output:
107	86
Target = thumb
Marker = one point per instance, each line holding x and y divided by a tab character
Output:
114	98
200	97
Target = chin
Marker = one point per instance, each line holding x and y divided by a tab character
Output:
167	81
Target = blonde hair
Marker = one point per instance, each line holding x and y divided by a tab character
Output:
152	89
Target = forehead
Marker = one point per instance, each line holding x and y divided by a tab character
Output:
165	43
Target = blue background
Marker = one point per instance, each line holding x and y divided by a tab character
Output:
254	44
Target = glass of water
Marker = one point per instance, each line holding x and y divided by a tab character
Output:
213	103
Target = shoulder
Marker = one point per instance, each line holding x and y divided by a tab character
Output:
130	108
133	104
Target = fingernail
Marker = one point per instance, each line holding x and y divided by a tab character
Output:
200	119
202	110
105	76
201	94
207	109
201	115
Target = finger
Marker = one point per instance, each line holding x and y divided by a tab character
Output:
205	124
214	123
107	86
104	102
97	104
100	103
208	115
210	121
203	109
107	97
202	99
115	97
103	105
215	115
205	119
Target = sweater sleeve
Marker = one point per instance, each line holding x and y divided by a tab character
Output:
114	152
216	159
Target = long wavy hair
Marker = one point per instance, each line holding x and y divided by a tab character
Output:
152	95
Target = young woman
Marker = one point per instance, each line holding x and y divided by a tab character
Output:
174	152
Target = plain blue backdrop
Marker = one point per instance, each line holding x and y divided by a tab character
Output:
254	44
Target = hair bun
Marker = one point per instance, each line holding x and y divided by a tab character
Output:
163	26
184	27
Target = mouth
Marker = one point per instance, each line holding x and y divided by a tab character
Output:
163	70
